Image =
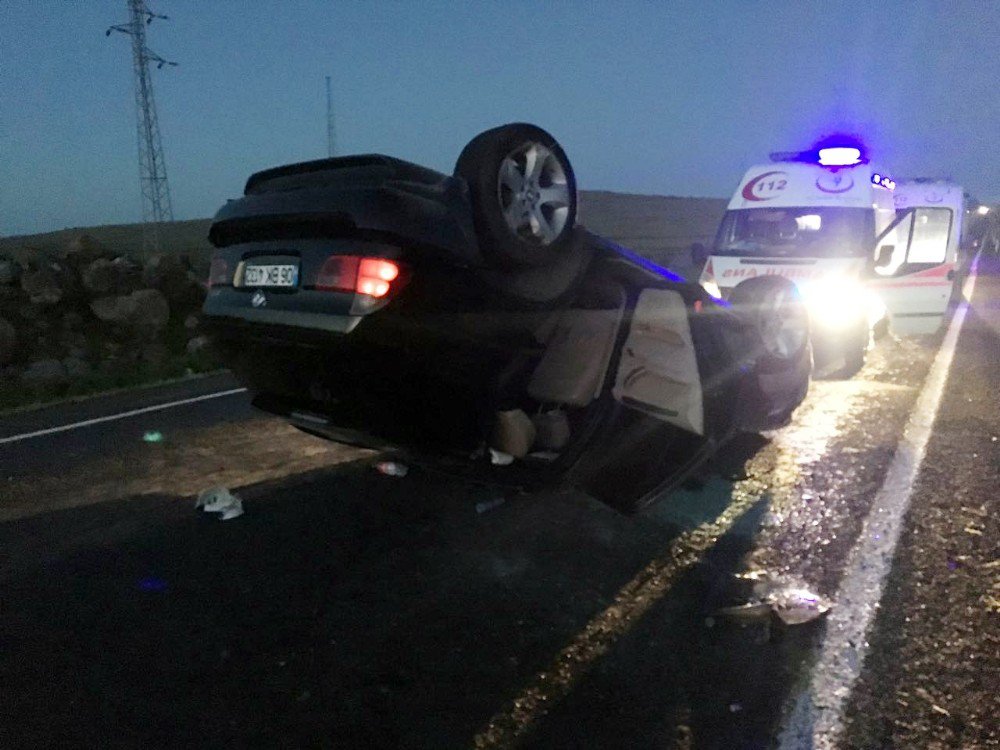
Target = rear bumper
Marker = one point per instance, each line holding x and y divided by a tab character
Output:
247	322
375	382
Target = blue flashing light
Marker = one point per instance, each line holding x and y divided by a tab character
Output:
654	267
883	181
646	263
839	156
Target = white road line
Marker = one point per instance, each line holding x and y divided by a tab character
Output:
816	715
121	415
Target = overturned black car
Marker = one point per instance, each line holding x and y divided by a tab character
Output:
468	322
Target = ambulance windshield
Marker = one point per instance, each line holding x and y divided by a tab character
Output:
825	232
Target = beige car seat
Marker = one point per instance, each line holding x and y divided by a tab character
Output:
578	352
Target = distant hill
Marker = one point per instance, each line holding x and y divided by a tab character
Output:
660	227
176	237
656	226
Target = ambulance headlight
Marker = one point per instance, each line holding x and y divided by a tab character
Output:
839	303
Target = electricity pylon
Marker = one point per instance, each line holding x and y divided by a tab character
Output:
331	134
156	205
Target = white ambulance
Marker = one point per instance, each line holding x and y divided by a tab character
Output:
827	219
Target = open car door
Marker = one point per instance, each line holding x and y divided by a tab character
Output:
655	436
914	268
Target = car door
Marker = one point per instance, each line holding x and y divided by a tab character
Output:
913	273
654	433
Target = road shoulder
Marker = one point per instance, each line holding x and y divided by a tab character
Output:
933	670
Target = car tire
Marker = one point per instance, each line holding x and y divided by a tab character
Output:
544	287
523	195
781	372
775	310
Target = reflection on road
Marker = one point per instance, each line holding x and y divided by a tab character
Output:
772	479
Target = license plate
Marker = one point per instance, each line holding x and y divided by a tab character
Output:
283	275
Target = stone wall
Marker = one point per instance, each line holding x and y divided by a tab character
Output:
84	311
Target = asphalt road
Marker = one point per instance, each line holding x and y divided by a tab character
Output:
350	609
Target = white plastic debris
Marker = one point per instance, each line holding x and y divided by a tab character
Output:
220	500
499	458
392	468
795	605
789	599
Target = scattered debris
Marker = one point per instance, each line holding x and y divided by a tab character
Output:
790	600
392	468
973	530
153	436
487	505
795	606
220	500
747	613
498	458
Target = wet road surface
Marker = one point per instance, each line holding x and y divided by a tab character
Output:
350	609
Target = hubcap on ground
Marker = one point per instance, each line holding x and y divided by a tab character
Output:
534	193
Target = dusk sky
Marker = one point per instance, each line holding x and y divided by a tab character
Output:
674	98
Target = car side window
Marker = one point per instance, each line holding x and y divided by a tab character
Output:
929	240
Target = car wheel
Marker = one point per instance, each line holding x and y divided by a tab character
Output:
523	195
782	356
545	287
774	307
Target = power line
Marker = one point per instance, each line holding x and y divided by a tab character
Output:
153	187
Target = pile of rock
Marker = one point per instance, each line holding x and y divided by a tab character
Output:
86	310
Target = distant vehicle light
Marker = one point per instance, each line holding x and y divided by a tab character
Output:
983	210
839	156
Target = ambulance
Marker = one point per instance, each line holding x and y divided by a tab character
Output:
862	260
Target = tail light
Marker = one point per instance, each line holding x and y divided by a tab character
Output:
371	279
375	275
219	273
